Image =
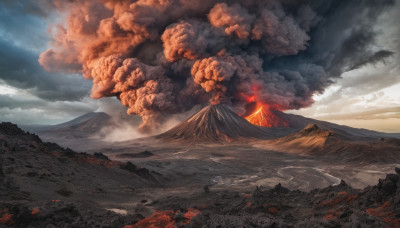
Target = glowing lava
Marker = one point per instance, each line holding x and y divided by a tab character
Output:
264	116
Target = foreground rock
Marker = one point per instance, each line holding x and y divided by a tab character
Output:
45	185
334	206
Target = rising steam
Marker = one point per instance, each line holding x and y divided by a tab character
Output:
161	57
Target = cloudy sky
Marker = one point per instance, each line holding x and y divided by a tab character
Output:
367	96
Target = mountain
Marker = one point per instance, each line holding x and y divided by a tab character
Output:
221	123
84	126
81	127
299	122
217	123
321	141
266	117
79	134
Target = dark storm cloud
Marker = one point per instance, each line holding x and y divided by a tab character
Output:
38	96
344	38
31	110
9	102
23	28
374	58
22	23
19	68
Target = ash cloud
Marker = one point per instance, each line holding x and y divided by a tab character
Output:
165	57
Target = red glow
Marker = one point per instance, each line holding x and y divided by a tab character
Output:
190	214
6	218
158	220
265	117
251	99
165	219
385	213
35	211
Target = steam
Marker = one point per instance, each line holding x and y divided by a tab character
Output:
165	57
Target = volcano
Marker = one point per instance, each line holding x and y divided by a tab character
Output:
216	123
266	117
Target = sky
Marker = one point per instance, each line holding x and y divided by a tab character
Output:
364	97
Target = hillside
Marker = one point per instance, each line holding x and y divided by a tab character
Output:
314	140
62	186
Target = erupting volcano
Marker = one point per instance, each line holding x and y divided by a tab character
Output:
215	123
264	116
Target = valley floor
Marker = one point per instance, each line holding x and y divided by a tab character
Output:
242	166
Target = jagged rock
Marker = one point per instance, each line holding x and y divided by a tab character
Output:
314	129
397	169
387	185
129	167
279	188
11	129
101	156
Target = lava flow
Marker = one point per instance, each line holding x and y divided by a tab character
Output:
264	116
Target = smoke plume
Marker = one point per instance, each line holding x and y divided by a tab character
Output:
164	57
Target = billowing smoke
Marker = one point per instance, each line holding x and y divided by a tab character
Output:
161	57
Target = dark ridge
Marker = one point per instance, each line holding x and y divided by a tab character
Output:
314	130
11	129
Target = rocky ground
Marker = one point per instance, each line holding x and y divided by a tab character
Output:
334	206
45	185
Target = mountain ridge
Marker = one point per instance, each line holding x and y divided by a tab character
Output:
316	141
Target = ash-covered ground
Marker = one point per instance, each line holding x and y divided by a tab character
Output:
148	182
245	166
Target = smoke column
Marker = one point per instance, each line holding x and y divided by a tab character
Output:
161	57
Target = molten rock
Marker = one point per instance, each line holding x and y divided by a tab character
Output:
266	117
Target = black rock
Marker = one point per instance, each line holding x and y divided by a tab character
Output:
101	156
387	186
129	167
393	177
397	169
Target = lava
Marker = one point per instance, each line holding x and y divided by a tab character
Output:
265	116
166	219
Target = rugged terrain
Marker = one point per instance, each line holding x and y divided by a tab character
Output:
212	170
44	185
316	141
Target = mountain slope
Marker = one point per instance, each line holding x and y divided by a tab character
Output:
317	141
299	122
81	127
217	123
42	183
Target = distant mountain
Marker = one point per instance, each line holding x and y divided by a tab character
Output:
84	126
316	141
91	120
91	130
299	122
218	123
